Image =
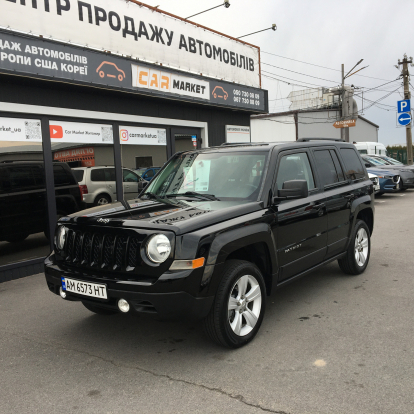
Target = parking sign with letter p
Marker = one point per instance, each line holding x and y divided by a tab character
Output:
404	106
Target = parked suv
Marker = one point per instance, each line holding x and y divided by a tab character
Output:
216	231
99	187
23	203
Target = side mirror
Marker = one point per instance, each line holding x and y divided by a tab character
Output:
144	184
292	189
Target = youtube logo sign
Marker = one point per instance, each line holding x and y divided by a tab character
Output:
56	131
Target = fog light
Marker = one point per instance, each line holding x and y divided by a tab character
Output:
123	305
62	293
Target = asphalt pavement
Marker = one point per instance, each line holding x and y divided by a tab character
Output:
329	343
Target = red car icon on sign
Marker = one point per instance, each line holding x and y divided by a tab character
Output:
111	70
219	92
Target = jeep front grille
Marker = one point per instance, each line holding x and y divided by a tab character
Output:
103	251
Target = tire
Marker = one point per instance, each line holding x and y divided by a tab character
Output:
403	189
98	310
224	319
101	200
360	245
379	194
17	238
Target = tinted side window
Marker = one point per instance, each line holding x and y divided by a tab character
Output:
61	178
353	166
338	167
326	167
98	175
39	175
21	178
295	167
78	175
110	174
4	180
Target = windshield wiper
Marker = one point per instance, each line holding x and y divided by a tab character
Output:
152	195
210	197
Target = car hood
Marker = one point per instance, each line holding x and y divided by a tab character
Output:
175	215
381	171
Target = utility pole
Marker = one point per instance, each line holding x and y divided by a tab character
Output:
407	95
343	133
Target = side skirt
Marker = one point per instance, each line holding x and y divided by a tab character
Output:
311	269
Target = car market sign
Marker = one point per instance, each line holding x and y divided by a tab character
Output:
55	61
133	29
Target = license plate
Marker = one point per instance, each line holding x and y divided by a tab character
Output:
376	187
397	186
94	290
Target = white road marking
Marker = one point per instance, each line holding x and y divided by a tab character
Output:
380	201
319	363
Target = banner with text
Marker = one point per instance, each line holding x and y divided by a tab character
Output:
142	136
18	129
77	132
47	59
126	28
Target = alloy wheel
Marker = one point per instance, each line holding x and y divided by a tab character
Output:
244	305
361	247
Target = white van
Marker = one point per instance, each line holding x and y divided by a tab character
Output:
371	148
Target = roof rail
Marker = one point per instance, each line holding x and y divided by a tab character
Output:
225	144
320	139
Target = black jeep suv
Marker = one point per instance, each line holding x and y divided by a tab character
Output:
215	231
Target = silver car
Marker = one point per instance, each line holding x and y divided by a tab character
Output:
98	184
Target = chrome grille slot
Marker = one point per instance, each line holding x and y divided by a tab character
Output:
108	249
69	244
96	250
77	248
86	248
120	249
133	252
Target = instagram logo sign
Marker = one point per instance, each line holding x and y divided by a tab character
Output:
123	133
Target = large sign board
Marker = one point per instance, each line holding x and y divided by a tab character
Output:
130	29
46	59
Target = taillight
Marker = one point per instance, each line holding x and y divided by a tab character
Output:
83	189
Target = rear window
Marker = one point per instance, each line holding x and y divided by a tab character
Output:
353	166
62	177
78	175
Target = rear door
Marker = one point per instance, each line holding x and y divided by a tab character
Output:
337	197
302	223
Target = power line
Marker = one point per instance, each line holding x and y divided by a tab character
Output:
295	80
319	66
299	73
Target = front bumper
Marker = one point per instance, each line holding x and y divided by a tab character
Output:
165	299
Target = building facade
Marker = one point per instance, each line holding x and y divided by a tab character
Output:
124	93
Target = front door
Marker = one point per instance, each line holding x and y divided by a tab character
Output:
301	223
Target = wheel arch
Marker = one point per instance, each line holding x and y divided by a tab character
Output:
253	243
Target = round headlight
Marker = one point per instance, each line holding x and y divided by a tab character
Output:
61	237
158	248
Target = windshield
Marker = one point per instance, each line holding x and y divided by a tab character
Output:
222	175
375	161
392	161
